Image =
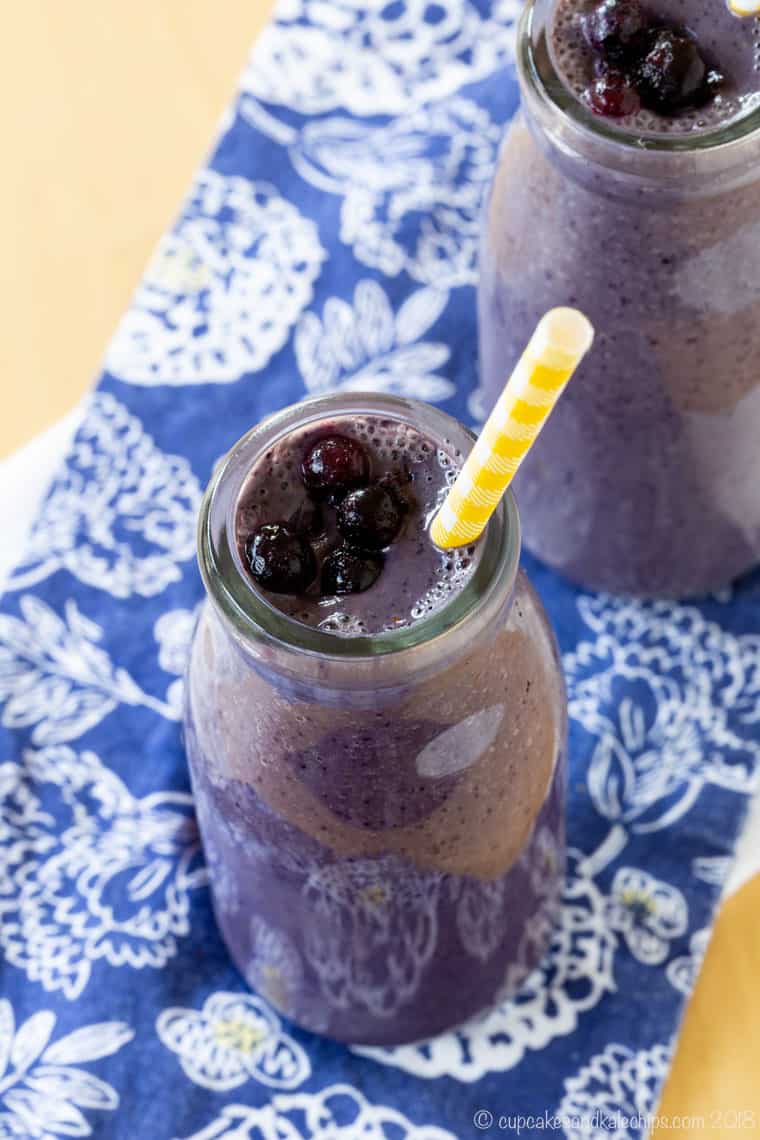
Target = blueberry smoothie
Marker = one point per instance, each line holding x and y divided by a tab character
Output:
629	186
375	728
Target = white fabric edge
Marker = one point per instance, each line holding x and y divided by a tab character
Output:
25	477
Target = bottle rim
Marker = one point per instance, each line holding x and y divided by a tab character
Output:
256	623
542	81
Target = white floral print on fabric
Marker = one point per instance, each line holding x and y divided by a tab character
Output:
375	911
367	346
712	869
545	857
173	632
683	971
54	674
616	1086
480	915
223	290
232	1039
573	977
378	58
412	189
647	912
43	1089
275	969
338	1112
669	699
90	872
121	515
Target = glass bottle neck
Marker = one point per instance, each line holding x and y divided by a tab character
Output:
700	163
290	647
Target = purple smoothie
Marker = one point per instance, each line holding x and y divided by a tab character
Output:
380	794
644	480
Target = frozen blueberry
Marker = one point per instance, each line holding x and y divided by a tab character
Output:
612	95
613	26
349	571
672	73
370	517
334	465
280	560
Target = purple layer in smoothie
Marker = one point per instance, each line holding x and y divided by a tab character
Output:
386	846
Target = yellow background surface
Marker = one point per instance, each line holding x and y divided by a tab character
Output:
107	109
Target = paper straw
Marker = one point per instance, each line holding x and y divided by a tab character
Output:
561	340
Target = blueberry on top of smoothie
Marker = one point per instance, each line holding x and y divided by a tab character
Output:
332	542
350	571
334	465
612	26
280	560
612	95
370	518
642	62
671	74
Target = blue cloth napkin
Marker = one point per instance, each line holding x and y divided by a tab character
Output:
330	242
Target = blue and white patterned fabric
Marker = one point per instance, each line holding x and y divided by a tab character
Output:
331	242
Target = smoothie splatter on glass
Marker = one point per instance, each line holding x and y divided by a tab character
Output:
375	728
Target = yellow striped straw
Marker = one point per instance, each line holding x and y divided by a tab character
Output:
561	340
744	7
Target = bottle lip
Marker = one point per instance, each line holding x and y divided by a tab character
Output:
257	623
540	78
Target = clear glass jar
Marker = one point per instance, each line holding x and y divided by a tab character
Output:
383	817
645	478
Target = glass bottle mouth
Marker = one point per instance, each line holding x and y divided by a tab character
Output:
541	80
256	622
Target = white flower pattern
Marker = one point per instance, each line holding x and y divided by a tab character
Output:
121	515
56	677
373	931
338	1112
616	1086
647	912
668	699
712	869
233	1039
377	58
90	872
223	289
412	189
682	972
275	969
480	915
43	1089
368	347
574	975
173	632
